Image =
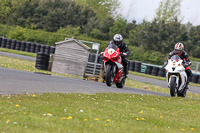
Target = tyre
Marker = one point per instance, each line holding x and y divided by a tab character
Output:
198	80
173	87
42	61
137	67
23	45
8	44
27	47
0	41
155	71
194	78
148	70
32	48
18	45
52	50
42	48
131	66
161	72
37	48
182	93
109	78
3	42
121	84
13	44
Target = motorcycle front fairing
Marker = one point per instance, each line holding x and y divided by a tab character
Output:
112	57
176	69
111	53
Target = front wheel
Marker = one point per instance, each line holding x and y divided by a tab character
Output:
109	78
173	87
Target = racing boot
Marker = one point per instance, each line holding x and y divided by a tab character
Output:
189	74
188	80
186	87
126	71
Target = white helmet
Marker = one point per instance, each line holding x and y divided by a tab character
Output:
178	48
118	39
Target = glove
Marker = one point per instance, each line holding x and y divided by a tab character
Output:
185	64
123	54
101	53
165	63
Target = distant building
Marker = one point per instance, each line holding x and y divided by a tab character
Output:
71	57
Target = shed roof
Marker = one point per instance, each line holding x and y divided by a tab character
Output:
79	43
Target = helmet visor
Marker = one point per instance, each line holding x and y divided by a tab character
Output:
178	51
117	43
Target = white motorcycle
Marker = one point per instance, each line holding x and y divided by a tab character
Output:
176	76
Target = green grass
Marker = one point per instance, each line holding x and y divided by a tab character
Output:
25	65
146	75
100	113
145	86
18	52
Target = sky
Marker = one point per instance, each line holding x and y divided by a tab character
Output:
146	9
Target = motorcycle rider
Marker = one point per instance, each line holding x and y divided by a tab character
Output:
179	50
118	41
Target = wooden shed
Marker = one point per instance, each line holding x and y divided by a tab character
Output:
71	57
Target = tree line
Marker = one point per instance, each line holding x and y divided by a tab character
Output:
93	19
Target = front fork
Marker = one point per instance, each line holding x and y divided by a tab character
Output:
177	79
113	68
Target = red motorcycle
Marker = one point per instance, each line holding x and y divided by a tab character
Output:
114	70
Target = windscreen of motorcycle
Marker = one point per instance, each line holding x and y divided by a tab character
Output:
111	48
175	58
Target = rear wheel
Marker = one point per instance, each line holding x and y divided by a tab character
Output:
121	84
109	78
173	87
182	93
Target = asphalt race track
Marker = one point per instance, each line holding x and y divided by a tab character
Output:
17	82
21	82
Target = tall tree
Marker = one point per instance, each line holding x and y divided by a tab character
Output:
168	10
49	15
103	8
119	27
7	7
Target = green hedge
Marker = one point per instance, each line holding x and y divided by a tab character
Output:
39	36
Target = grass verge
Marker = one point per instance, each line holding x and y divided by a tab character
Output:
98	113
18	52
25	65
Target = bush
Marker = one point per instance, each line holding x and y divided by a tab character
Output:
140	54
39	36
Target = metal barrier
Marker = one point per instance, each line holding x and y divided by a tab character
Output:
91	67
195	66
